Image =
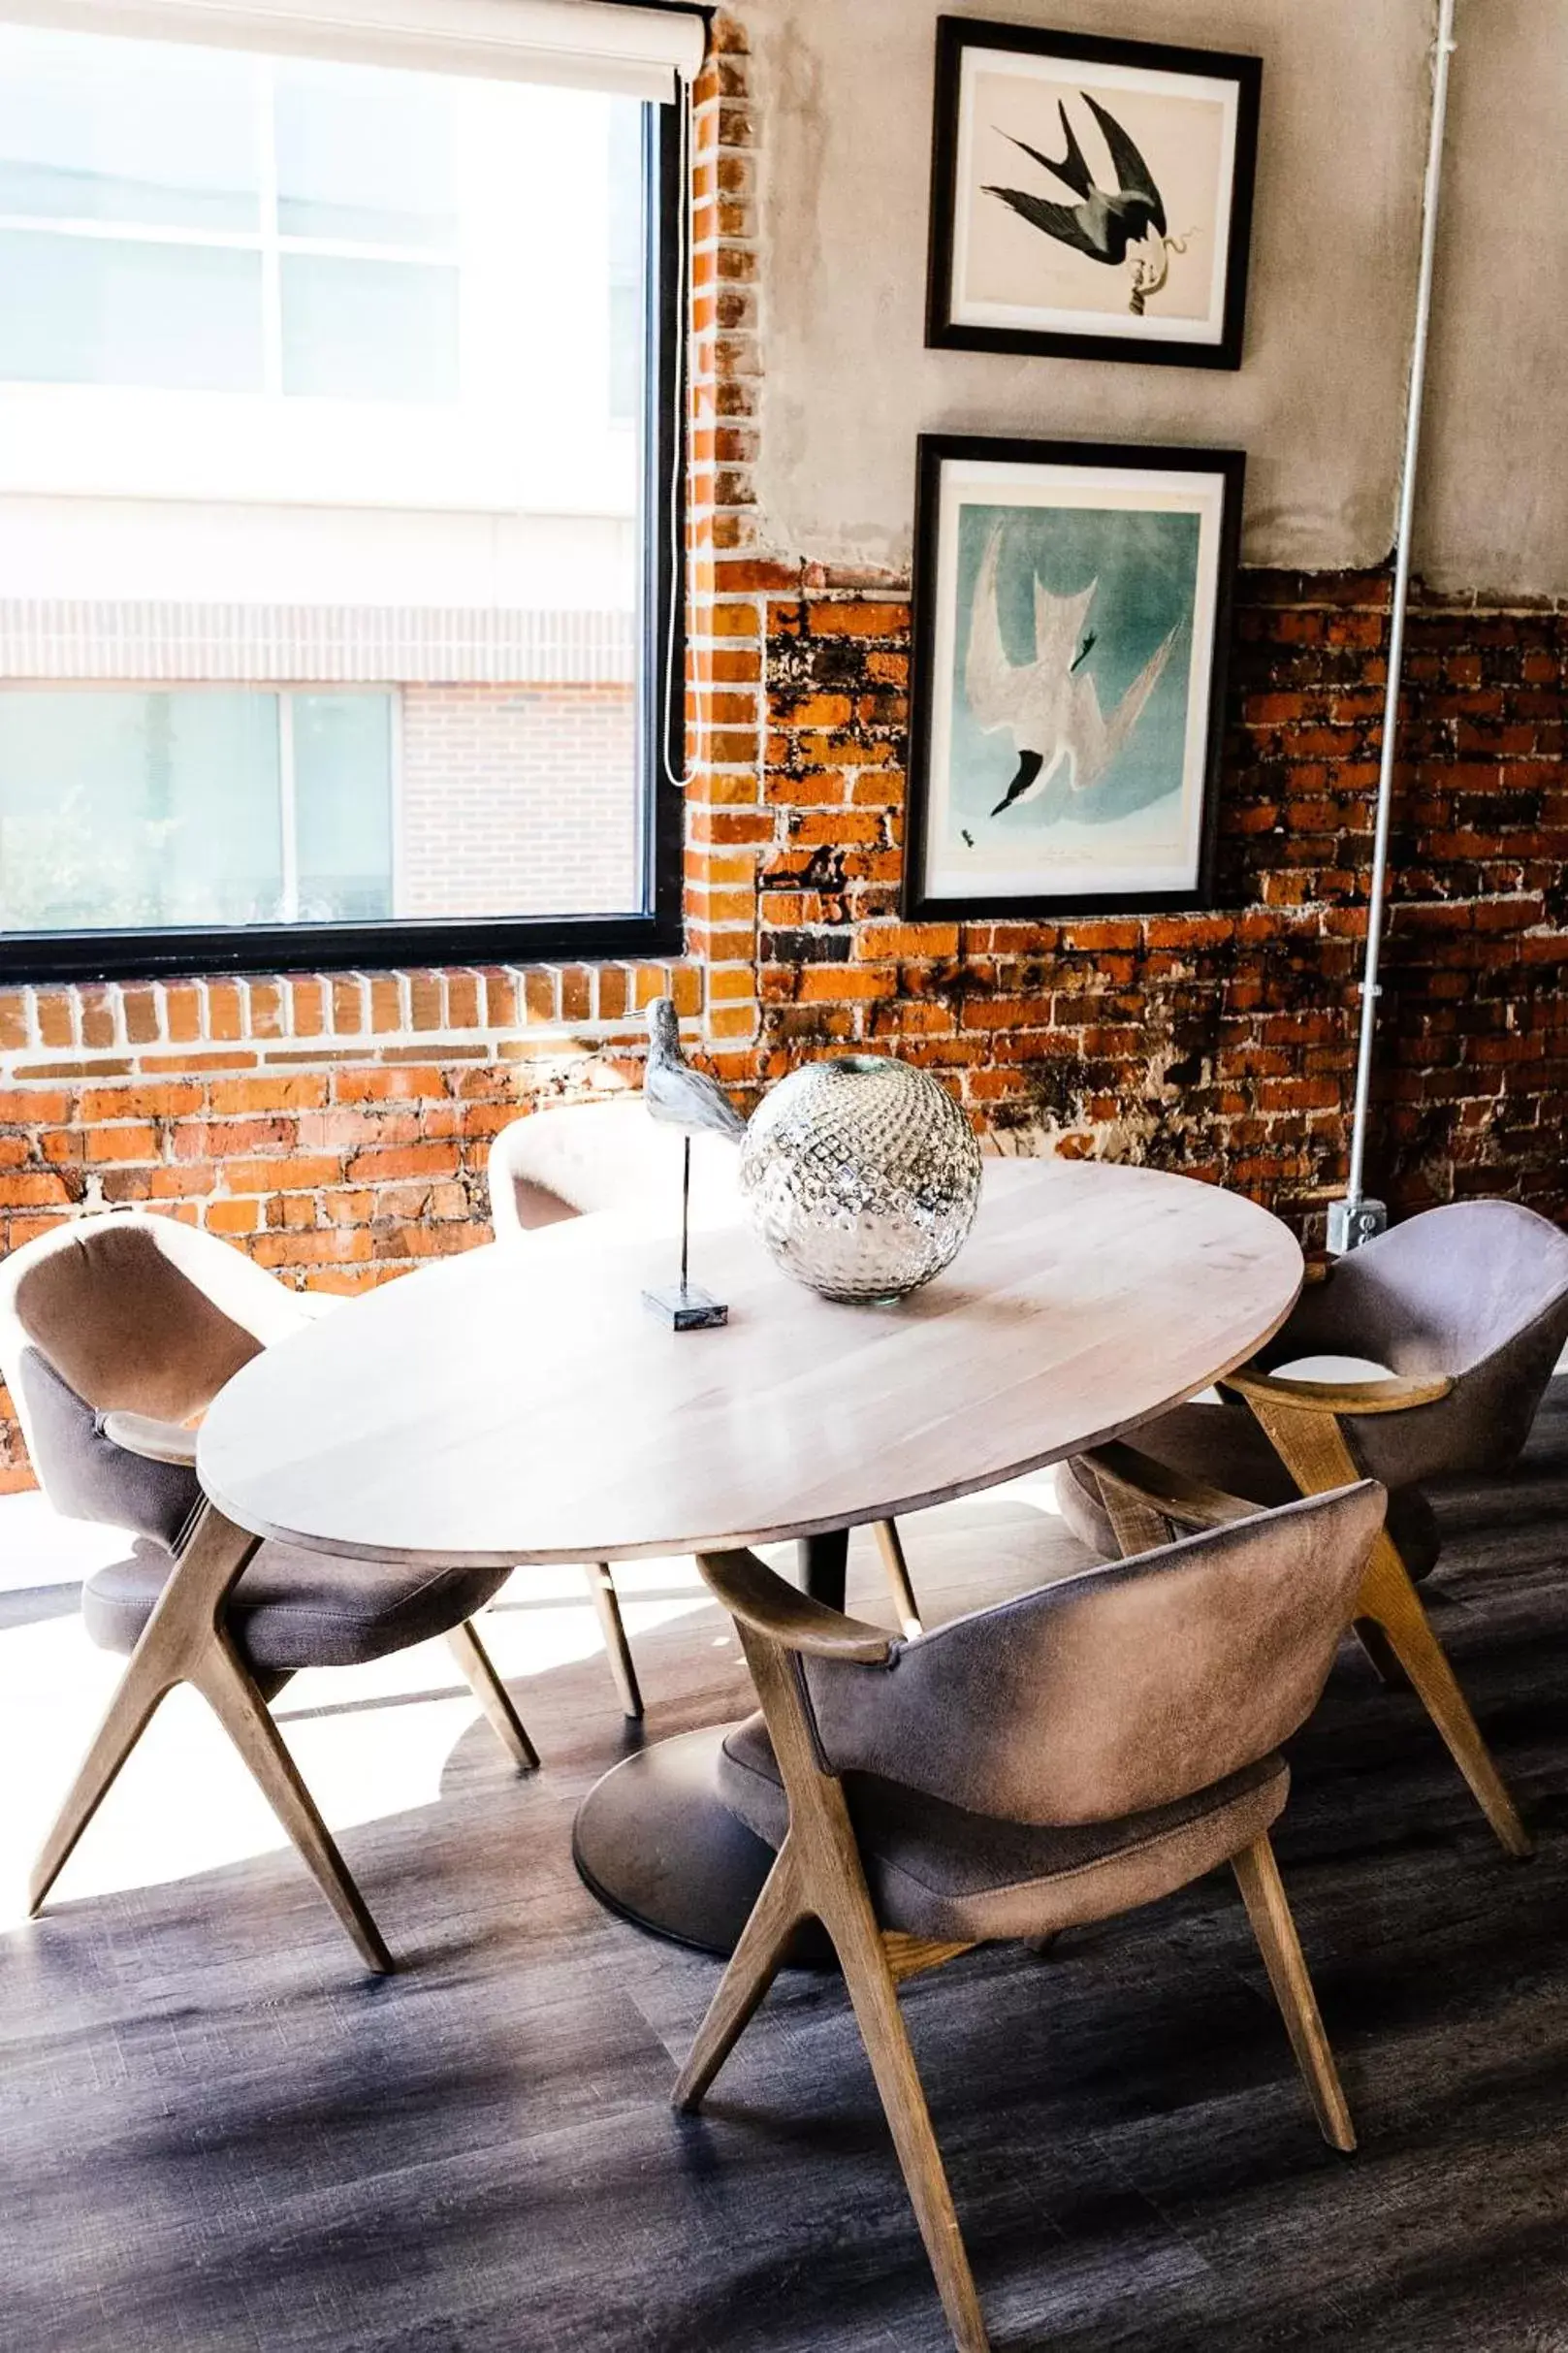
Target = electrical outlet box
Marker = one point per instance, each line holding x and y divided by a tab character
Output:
1353	1222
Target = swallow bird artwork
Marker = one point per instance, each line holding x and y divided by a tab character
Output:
1049	704
1105	224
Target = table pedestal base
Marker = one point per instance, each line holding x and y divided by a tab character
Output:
654	1843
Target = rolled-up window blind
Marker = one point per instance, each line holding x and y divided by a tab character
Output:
597	45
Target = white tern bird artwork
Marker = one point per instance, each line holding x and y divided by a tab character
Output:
1049	704
681	1097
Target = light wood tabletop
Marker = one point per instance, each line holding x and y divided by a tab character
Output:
519	1403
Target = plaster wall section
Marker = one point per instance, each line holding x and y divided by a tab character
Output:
1319	401
1492	520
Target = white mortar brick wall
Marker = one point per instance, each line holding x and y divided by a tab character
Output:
519	800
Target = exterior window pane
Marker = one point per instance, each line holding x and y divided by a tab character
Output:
368	330
135	809
100	310
626	352
342	807
627	242
123	131
366	158
328	533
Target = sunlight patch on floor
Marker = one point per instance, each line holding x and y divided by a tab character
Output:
370	1741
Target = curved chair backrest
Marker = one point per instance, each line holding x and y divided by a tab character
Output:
1476	1291
1128	1687
582	1157
123	1310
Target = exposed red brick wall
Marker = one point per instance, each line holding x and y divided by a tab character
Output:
334	1127
1222	1043
338	1127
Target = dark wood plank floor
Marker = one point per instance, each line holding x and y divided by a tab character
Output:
217	2138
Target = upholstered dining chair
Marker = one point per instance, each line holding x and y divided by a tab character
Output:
581	1157
1058	1759
1467	1307
116	1330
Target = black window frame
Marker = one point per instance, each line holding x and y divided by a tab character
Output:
655	933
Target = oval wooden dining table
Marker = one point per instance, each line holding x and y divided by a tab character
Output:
519	1405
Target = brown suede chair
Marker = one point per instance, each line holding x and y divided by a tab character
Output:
1059	1759
1468	1309
116	1329
579	1158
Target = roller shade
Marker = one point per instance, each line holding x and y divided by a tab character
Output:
635	53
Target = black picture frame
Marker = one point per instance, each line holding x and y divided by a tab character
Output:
654	927
923	902
957	35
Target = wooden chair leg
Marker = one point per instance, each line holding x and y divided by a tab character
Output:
223	1682
142	1685
487	1687
823	1875
891	1546
775	1917
601	1586
846	1913
1317	1454
179	1625
1263	1894
1389	1600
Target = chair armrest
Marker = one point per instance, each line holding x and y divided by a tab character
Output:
1394	1395
157	1442
1190	1501
782	1613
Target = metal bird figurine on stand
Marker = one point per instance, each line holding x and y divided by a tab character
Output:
684	1098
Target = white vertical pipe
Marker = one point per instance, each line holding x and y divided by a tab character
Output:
1401	593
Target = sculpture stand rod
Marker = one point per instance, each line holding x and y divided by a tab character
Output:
684	1306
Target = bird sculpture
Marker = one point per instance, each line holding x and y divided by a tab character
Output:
1050	704
1104	223
673	1090
678	1096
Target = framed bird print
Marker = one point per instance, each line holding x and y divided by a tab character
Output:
1090	198
1071	616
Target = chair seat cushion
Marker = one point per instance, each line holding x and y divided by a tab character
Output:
294	1609
935	1870
1227	1447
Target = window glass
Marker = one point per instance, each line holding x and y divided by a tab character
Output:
627	242
365	157
101	310
126	809
325	510
368	330
120	131
342	807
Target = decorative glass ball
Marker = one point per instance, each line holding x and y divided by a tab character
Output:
862	1176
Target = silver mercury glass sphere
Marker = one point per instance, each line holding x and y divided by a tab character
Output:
862	1176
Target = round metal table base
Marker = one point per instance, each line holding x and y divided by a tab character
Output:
654	1842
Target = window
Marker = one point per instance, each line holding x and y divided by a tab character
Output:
339	405
136	810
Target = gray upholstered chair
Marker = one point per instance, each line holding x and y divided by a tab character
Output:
580	1158
116	1330
1467	1306
1064	1756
